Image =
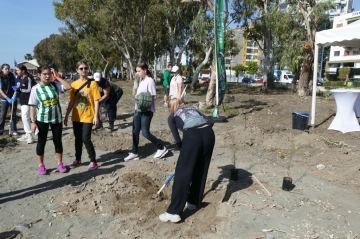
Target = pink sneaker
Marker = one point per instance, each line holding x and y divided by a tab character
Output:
93	166
42	169
61	168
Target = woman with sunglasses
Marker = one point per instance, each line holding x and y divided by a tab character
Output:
8	97
84	104
45	111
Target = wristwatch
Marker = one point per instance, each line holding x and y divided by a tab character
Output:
32	121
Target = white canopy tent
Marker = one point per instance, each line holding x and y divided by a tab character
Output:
347	36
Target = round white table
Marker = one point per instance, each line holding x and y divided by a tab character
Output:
345	119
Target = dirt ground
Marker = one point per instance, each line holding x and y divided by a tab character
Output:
255	148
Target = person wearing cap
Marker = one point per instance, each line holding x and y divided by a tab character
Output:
166	83
113	97
176	84
104	87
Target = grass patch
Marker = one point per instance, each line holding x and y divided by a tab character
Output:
229	111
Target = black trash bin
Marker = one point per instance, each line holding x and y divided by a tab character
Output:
300	120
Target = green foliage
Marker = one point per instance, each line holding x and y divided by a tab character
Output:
229	111
252	68
343	72
238	69
58	49
28	57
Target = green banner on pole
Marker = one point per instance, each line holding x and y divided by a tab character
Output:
220	51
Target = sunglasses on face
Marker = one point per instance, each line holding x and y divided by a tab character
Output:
83	68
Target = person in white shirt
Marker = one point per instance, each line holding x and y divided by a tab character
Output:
176	84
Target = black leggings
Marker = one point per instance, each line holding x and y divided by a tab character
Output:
56	130
82	132
192	168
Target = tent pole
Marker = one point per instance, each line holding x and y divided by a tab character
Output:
313	102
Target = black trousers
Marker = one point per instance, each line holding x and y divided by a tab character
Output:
56	130
192	168
3	111
82	132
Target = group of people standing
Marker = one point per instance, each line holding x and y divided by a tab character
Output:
43	107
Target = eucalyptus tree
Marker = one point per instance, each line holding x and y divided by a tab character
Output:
313	14
264	24
120	22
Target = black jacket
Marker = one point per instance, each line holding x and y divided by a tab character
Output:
6	83
25	89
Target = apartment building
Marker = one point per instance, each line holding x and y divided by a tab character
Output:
344	56
249	52
342	7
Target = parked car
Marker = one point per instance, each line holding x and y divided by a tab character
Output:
320	82
205	79
260	81
248	80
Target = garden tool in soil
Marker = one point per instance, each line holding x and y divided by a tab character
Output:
11	126
166	182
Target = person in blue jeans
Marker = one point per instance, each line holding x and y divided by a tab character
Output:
110	96
110	104
142	119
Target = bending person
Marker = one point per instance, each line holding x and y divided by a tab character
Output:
192	166
45	111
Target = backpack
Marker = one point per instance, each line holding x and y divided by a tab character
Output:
143	101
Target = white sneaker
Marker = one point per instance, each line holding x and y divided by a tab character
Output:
161	153
14	133
23	138
131	157
190	206
30	139
169	217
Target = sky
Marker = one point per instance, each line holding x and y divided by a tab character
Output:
25	23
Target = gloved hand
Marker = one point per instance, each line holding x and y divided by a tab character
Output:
13	98
9	100
15	88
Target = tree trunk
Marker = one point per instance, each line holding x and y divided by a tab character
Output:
198	69
211	92
306	74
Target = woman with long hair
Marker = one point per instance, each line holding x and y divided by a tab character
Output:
8	97
192	167
45	112
26	83
84	104
142	119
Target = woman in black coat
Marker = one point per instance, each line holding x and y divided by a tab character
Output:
7	97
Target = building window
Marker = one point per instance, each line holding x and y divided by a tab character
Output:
248	57
227	61
336	53
249	43
356	53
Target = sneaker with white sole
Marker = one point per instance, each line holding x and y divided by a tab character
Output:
190	206
14	133
131	157
161	153
23	138
165	217
30	139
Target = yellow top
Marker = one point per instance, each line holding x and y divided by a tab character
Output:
84	101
